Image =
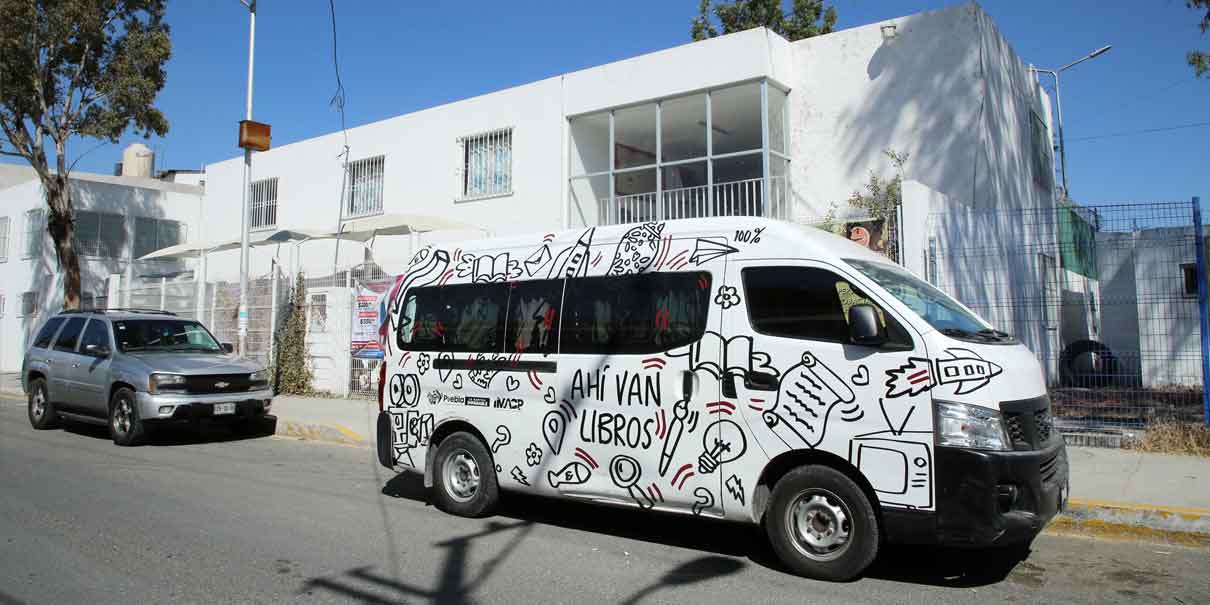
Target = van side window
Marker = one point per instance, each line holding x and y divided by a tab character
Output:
47	332
532	325
808	303
464	318
634	314
70	334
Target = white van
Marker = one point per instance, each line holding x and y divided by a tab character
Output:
735	368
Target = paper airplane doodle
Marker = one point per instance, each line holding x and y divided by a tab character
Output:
706	250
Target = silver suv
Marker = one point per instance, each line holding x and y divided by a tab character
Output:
133	369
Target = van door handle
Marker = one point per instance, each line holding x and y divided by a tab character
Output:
760	381
687	384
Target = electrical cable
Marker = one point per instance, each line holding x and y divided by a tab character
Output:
1143	131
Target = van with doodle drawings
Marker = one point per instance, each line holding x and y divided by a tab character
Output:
735	368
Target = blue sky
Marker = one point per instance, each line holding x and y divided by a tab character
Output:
398	57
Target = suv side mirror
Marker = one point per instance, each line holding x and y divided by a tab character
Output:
96	350
228	347
863	326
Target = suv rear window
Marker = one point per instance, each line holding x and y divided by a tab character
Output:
70	335
47	332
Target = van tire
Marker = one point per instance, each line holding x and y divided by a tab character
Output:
812	508
42	412
125	426
464	481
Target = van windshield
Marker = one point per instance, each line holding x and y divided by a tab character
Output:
931	304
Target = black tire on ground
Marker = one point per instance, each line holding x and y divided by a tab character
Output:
465	477
125	426
1072	375
42	413
821	524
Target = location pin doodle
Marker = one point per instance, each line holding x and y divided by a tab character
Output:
503	438
722	442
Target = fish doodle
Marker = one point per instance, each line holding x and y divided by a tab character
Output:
574	473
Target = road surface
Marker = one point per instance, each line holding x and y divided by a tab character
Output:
207	517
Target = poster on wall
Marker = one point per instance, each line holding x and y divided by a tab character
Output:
367	317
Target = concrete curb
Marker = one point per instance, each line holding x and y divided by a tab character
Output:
337	434
1142	522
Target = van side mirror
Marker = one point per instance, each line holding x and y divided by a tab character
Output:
96	350
863	326
228	347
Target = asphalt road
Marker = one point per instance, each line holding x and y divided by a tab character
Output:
207	517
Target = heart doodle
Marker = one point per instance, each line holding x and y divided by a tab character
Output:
550	395
458	382
862	377
512	384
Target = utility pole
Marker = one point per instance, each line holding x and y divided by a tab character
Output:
1059	105
243	228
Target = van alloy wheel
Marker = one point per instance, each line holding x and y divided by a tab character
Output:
461	475
820	523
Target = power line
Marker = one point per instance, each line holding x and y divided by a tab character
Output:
1144	131
338	98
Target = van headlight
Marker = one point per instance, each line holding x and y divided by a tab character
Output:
962	425
165	382
259	378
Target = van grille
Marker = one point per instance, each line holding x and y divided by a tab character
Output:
1049	468
1028	422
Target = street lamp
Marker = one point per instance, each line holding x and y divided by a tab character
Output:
243	221
1059	103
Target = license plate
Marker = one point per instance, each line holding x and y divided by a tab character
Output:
224	408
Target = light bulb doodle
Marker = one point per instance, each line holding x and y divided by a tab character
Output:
722	442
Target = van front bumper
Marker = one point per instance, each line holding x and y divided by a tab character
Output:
987	498
169	407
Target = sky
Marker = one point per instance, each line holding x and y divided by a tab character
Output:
401	56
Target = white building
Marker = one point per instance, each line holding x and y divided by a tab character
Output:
118	218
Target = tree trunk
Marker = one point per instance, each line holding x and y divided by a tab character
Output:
62	228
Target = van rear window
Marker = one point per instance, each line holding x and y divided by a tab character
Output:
466	318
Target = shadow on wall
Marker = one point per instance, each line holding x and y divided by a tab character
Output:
96	265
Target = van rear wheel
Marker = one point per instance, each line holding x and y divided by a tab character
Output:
465	482
821	524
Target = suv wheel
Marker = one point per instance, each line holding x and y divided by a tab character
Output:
125	426
42	413
465	482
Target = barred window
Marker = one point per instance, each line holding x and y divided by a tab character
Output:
318	313
100	234
2	301
4	221
364	192
29	304
262	211
35	232
1040	152
487	164
151	234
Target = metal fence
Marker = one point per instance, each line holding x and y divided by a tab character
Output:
1106	296
734	198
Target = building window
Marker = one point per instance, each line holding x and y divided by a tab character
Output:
262	212
318	320
35	232
1043	166
1189	272
29	304
487	164
364	192
100	234
930	264
4	221
1050	291
2	301
151	234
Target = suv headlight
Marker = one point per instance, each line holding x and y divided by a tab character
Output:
962	425
165	382
259	378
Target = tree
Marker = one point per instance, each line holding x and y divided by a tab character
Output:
77	68
291	367
879	203
807	18
1198	60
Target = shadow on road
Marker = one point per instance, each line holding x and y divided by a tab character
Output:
932	566
183	434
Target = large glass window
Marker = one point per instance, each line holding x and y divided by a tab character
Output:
35	232
4	221
735	119
683	128
100	234
644	313
634	136
807	303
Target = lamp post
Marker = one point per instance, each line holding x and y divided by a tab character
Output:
243	221
1059	104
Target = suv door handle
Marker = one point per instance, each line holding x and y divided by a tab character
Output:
49	361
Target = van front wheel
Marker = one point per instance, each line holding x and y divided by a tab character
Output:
465	482
821	524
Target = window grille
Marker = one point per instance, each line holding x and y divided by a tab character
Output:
262	211
2	301
4	221
29	304
100	234
35	232
151	234
319	313
487	164
364	194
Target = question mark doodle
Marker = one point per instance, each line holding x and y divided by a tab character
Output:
503	438
705	500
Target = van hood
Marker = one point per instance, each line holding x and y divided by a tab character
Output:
983	374
196	363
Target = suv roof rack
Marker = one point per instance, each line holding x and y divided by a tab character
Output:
119	310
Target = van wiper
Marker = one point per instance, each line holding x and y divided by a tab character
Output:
988	335
994	334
